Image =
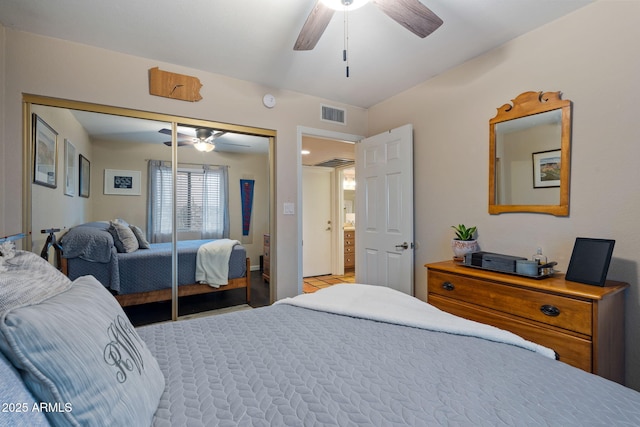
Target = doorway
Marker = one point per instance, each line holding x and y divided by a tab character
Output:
317	227
336	151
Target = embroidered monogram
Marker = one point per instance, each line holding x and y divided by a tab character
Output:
123	351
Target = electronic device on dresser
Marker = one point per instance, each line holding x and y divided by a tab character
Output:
583	324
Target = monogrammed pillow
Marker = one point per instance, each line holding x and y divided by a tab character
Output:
78	353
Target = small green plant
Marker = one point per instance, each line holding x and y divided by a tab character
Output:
464	233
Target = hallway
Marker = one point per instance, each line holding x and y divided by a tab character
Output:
312	284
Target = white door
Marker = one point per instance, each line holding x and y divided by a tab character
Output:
384	210
316	221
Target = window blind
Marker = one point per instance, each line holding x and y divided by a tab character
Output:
200	201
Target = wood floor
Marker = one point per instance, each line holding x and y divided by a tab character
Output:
312	284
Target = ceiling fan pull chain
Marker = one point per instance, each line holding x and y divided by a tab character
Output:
346	39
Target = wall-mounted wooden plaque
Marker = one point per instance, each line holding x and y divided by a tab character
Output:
173	85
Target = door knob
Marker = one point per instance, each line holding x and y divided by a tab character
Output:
403	246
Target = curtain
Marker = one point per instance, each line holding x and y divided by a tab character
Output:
159	203
215	215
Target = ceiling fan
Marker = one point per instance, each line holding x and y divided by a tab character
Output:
411	14
202	140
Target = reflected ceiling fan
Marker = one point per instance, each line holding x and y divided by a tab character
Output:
202	140
411	14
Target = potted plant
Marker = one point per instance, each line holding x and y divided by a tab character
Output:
464	241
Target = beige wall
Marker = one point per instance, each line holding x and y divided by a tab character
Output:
52	208
591	57
52	67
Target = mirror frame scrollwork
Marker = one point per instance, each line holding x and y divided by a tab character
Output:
527	104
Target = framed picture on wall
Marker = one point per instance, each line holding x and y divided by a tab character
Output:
85	175
546	169
45	150
70	168
122	182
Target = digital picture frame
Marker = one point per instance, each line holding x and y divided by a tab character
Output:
590	261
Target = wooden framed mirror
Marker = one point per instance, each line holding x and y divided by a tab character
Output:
529	155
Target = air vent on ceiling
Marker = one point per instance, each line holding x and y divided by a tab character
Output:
333	114
334	163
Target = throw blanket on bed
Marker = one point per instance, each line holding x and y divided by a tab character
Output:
212	262
387	305
89	241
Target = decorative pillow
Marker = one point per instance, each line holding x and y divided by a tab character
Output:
142	241
123	237
19	408
29	279
78	352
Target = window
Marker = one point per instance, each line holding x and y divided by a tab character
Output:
190	200
201	202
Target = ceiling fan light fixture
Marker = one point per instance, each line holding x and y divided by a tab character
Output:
203	133
204	146
344	4
204	140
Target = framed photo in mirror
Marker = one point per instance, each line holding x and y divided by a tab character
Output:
70	167
85	172
45	151
122	182
546	169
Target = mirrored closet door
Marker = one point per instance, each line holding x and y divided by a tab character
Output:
153	206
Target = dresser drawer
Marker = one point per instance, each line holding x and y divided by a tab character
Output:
586	330
349	235
559	311
570	349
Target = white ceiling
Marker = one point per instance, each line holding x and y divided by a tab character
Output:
106	127
253	39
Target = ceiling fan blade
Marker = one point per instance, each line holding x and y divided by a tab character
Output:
181	143
180	135
313	27
233	144
411	14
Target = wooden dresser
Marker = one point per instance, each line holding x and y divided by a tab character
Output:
583	324
349	249
266	257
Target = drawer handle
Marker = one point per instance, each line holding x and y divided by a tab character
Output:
448	286
550	310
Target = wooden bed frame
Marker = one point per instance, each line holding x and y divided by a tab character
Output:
183	290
